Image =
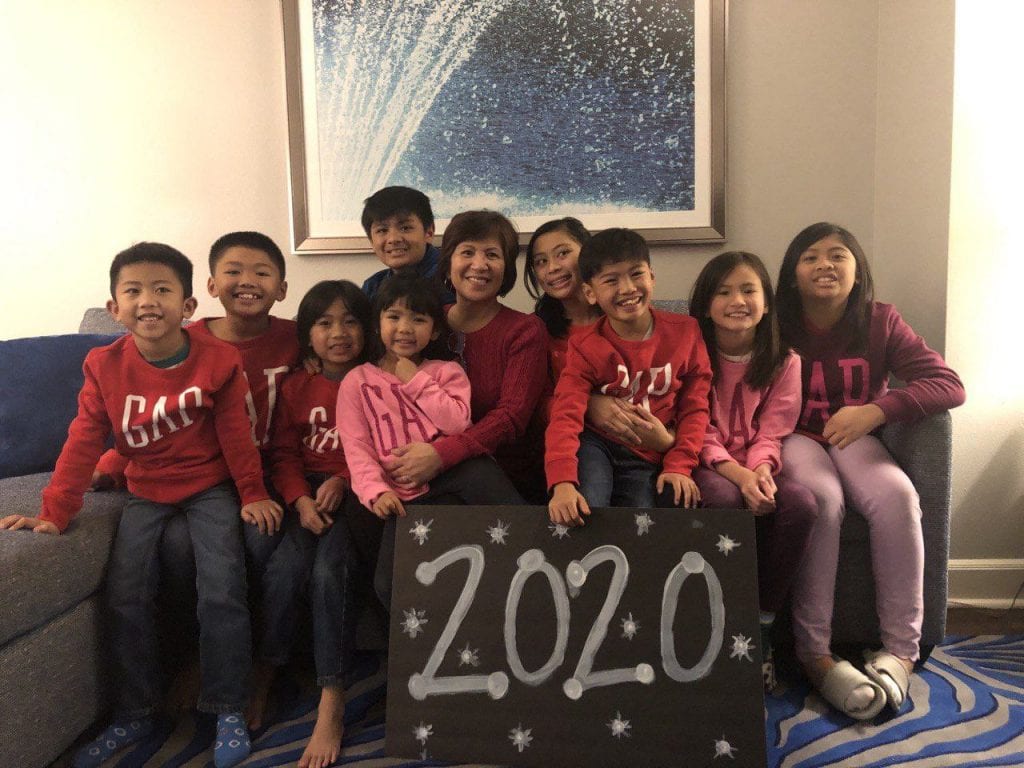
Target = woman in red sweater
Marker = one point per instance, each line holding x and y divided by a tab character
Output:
504	352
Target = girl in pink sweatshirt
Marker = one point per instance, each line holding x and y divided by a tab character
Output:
755	402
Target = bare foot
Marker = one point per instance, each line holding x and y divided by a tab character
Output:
262	677
325	743
184	690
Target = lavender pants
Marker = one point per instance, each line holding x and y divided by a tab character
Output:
866	475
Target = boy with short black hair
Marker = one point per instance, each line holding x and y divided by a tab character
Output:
175	400
653	359
400	223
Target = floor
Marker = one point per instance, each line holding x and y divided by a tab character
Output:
967	620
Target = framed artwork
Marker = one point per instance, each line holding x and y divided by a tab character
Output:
608	111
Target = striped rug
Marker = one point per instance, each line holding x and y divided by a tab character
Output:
966	710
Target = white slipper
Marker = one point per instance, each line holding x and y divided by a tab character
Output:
888	671
841	681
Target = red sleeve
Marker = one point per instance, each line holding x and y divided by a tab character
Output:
113	464
931	386
568	408
234	433
691	412
522	382
286	467
87	435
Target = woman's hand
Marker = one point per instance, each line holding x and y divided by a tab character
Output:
413	465
330	493
851	423
617	418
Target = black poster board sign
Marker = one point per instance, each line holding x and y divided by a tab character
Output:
632	641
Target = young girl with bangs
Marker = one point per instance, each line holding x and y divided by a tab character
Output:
755	402
850	344
328	535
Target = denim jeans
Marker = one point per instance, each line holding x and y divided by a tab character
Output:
225	644
611	475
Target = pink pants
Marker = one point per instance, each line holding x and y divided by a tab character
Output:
865	474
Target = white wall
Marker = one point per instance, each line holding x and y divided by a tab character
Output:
128	120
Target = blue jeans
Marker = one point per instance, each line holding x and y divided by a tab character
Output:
611	475
225	643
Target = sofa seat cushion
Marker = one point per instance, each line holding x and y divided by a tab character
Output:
39	382
43	576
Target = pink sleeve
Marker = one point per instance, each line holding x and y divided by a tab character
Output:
713	450
931	386
441	392
521	385
368	477
777	416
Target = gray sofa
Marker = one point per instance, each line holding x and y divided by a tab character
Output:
52	677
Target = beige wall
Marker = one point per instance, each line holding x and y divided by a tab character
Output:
124	121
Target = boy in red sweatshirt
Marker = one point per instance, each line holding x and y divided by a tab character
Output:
176	403
653	359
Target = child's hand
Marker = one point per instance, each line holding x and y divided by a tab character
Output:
386	504
265	514
405	369
312	365
758	489
685	490
330	493
851	423
656	437
567	505
310	517
23	522
617	418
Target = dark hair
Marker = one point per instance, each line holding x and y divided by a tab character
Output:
255	240
394	201
548	309
858	306
768	353
481	225
612	246
418	294
318	300
153	253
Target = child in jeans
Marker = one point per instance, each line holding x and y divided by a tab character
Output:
653	359
175	401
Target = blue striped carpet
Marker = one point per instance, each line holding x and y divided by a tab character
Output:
967	710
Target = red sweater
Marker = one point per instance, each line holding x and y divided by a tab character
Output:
669	374
507	365
833	376
305	435
183	430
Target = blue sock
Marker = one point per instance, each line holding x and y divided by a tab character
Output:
116	737
232	745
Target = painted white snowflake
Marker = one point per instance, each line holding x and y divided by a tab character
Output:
630	627
423	755
422	732
498	532
520	738
643	523
619	726
421	531
559	530
469	657
741	647
725	544
414	621
724	749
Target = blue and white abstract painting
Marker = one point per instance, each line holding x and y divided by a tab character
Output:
537	108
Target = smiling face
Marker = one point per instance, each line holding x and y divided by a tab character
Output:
149	301
826	272
400	240
477	270
555	263
624	291
337	339
738	304
247	282
406	333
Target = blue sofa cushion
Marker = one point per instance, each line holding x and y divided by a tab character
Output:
39	382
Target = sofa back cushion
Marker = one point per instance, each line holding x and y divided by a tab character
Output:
39	382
